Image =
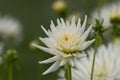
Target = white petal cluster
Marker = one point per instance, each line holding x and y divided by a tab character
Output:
9	27
106	65
106	12
65	41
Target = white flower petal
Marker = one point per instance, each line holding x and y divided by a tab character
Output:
63	62
68	55
55	58
84	24
49	42
79	55
62	21
52	26
53	68
73	22
79	26
67	24
85	34
79	23
86	44
48	50
58	22
47	33
71	63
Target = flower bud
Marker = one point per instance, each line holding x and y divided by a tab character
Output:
11	56
59	6
115	18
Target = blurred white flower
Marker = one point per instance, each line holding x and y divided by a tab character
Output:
106	65
107	12
65	41
10	28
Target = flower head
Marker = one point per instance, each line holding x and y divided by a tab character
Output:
106	65
10	28
65	41
108	13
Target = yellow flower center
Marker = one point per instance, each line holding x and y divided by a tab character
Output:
115	17
100	73
66	37
67	42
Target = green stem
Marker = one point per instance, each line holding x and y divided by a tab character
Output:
95	51
115	30
10	72
68	72
99	7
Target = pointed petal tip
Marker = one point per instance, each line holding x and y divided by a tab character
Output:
42	26
73	17
33	44
53	68
40	38
39	62
85	15
42	62
61	18
91	25
45	73
93	40
79	18
51	21
60	65
85	18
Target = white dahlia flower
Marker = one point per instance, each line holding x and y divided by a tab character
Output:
65	41
10	28
107	12
107	65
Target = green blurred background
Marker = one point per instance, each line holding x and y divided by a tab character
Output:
32	14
